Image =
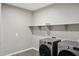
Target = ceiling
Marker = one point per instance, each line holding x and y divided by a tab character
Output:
30	6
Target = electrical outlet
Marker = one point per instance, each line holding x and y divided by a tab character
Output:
17	34
78	40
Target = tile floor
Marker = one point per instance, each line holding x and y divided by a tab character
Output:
31	52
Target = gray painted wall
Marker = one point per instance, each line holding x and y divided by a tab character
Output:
0	20
57	14
16	34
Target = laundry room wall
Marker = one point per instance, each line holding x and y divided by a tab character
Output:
0	20
0	27
58	13
16	33
0	13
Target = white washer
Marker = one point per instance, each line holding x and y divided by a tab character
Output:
48	47
68	48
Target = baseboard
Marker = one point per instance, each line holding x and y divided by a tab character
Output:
21	51
35	49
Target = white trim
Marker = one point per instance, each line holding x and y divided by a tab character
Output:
21	51
35	49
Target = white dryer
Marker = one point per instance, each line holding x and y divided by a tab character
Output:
68	48
48	47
